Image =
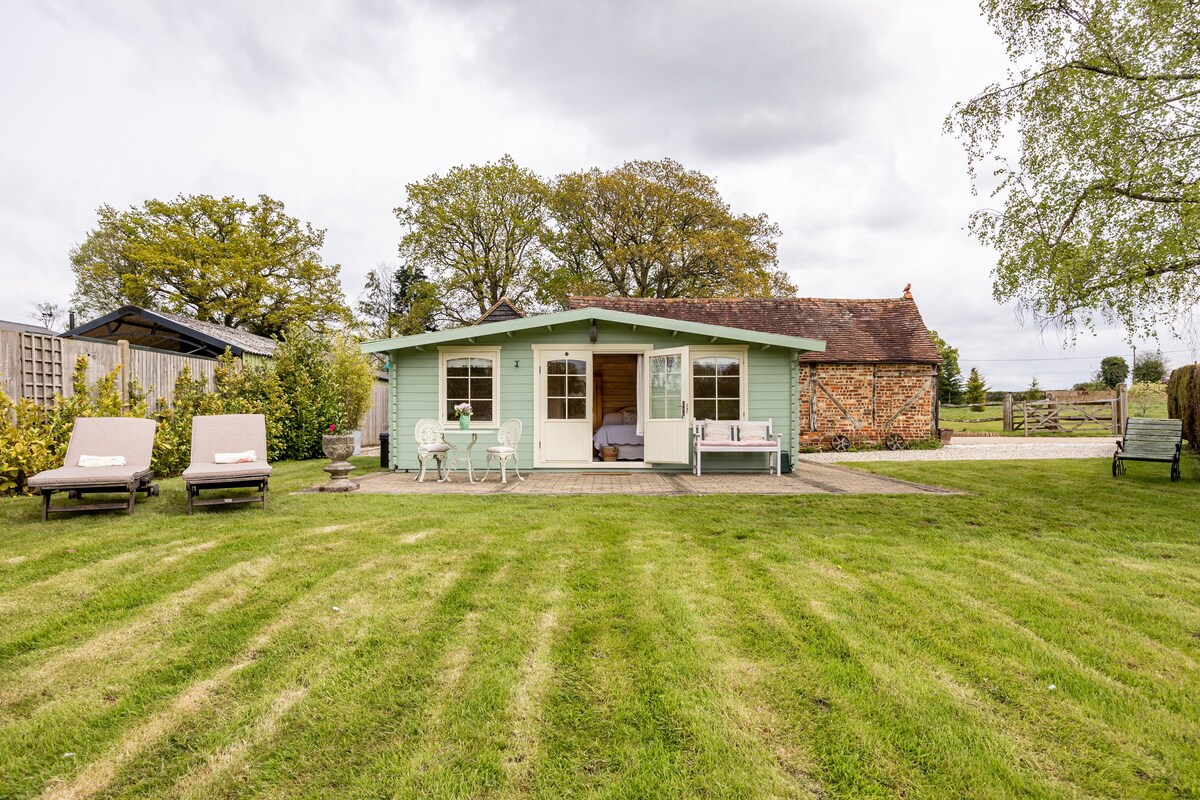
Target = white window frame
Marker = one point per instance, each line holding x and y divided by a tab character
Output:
445	353
743	356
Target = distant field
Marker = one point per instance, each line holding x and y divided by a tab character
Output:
960	419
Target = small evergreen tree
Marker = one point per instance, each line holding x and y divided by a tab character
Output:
950	380
1113	371
976	390
1034	392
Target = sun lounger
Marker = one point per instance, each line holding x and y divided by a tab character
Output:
103	440
228	437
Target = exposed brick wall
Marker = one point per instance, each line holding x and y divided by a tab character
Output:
869	394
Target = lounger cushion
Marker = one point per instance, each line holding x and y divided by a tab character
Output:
227	433
131	437
200	473
73	477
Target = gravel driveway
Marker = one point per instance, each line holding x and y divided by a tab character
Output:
985	449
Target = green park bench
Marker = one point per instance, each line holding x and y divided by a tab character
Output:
1150	440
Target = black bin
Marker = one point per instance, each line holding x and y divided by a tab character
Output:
384	452
785	463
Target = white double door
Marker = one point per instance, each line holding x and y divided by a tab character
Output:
563	406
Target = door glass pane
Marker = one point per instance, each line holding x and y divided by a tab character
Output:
704	387
566	389
666	387
728	409
728	387
704	409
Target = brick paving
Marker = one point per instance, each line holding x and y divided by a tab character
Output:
806	479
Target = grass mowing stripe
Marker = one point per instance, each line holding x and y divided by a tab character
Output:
98	716
942	615
349	729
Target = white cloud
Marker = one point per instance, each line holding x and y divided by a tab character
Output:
827	117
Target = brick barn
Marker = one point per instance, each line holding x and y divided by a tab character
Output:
876	377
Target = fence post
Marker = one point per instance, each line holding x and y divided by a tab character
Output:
1008	412
1122	409
123	376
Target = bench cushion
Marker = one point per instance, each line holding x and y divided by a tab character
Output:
715	432
752	432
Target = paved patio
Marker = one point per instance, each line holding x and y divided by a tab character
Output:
806	479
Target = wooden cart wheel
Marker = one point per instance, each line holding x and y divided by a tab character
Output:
894	441
840	443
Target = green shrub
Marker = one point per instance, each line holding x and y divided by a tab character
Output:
34	438
353	378
1183	401
306	376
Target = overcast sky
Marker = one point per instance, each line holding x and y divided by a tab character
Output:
825	116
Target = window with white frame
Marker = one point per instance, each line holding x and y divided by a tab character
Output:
470	376
718	389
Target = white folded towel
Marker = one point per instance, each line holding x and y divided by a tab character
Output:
236	458
102	461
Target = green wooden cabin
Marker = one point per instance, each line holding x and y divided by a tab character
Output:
592	375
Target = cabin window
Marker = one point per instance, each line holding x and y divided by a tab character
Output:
718	388
470	377
566	389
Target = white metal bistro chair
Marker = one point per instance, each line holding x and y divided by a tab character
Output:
507	439
430	444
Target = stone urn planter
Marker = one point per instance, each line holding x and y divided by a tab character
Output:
338	447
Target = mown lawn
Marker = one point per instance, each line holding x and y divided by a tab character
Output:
1039	637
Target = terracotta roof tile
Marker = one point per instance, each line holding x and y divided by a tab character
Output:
855	331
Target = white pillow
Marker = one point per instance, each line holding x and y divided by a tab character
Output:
613	418
717	431
102	461
236	458
752	432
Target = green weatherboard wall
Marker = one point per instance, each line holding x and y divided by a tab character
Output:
413	389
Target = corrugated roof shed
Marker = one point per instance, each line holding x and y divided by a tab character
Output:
854	331
26	327
164	330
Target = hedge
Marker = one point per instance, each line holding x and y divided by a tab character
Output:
1183	401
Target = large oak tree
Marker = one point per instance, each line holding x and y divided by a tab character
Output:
224	260
657	229
478	233
1101	197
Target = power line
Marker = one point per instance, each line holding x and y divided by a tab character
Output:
1060	358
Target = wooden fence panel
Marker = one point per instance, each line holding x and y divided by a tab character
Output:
159	372
375	422
38	367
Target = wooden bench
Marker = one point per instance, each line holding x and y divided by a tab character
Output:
771	444
1150	440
